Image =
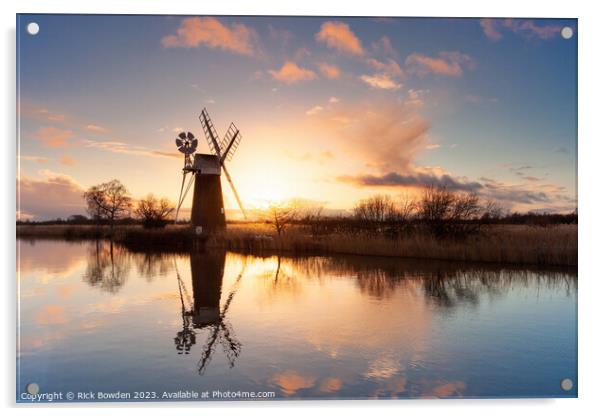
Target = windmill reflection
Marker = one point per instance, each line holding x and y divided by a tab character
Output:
203	311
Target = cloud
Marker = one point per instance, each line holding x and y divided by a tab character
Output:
53	137
96	128
67	161
380	81
490	29
209	31
121	147
37	159
314	110
511	195
384	47
333	100
338	35
385	133
494	28
415	179
56	195
447	63
66	121
329	71
291	73
388	72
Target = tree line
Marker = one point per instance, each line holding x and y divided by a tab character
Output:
438	210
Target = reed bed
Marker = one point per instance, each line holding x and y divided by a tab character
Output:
509	244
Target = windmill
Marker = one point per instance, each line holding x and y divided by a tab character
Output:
205	169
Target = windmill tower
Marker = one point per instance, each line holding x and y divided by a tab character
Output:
207	201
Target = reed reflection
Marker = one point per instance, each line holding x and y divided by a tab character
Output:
203	310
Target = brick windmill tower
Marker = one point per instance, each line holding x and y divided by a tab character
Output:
208	213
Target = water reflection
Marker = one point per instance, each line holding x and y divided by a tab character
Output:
341	326
207	271
108	266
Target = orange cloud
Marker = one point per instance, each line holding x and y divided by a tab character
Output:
67	161
329	71
314	110
291	73
400	129
338	35
390	67
380	81
53	137
209	31
96	128
448	63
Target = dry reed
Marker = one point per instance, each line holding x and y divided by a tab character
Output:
511	244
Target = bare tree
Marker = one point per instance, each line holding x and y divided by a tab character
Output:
281	216
447	213
109	201
492	211
378	208
406	208
154	212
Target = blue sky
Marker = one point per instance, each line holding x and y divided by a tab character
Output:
340	108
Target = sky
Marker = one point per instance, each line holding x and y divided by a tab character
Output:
331	110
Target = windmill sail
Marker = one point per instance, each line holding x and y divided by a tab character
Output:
230	143
210	133
244	213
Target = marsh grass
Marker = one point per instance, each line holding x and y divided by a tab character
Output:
510	244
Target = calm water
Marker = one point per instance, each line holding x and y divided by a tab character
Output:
103	319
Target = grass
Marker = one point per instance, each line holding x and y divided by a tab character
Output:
509	244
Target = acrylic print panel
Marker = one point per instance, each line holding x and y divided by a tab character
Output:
269	208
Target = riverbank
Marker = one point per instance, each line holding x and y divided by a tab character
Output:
508	244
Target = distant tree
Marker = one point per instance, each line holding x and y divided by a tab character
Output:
280	216
77	219
108	201
447	213
154	212
406	208
492	212
378	208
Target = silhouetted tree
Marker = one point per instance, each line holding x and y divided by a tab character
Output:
280	216
108	201
154	212
449	214
378	208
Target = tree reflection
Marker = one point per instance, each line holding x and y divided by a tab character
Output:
107	267
444	284
151	265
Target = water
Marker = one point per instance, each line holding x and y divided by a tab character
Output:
99	318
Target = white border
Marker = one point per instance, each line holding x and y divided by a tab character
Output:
590	201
